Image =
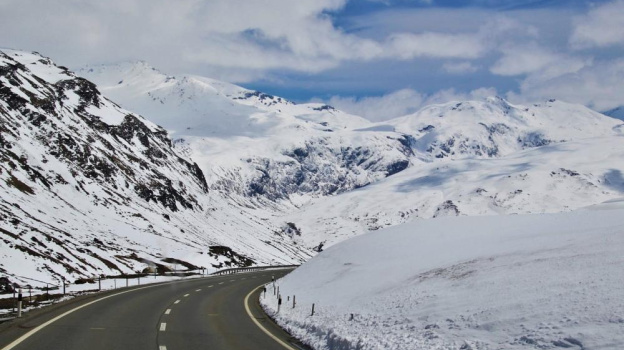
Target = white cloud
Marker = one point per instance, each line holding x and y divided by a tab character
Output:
522	60
602	26
402	102
598	86
378	108
408	45
459	67
247	40
537	62
244	34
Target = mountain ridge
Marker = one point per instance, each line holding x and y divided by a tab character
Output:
250	178
89	188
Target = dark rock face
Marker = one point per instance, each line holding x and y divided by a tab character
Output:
49	138
233	258
317	169
448	208
65	144
534	139
266	99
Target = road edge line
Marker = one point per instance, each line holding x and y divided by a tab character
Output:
41	326
278	340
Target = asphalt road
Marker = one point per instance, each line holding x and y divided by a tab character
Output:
206	313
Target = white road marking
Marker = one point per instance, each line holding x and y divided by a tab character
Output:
198	290
210	286
243	278
220	282
168	312
40	327
162	347
232	280
177	301
163	327
186	295
279	341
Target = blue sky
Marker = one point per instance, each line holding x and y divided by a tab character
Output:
376	58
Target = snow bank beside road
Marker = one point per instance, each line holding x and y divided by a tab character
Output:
502	282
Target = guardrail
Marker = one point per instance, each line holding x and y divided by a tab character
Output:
251	269
31	299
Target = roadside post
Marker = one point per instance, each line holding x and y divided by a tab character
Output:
19	303
279	304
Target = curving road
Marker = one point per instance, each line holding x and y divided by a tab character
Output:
207	313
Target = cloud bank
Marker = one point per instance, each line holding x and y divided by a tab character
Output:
405	56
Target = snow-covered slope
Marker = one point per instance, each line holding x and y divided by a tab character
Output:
554	178
88	188
259	148
543	281
495	127
482	158
457	158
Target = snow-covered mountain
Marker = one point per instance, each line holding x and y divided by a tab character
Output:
457	158
553	178
88	187
482	158
253	146
495	127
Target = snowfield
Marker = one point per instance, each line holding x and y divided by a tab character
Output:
328	172
548	179
540	281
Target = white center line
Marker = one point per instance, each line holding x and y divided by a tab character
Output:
198	290
163	326
177	301
210	286
162	347
220	282
232	280
168	311
243	278
186	295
